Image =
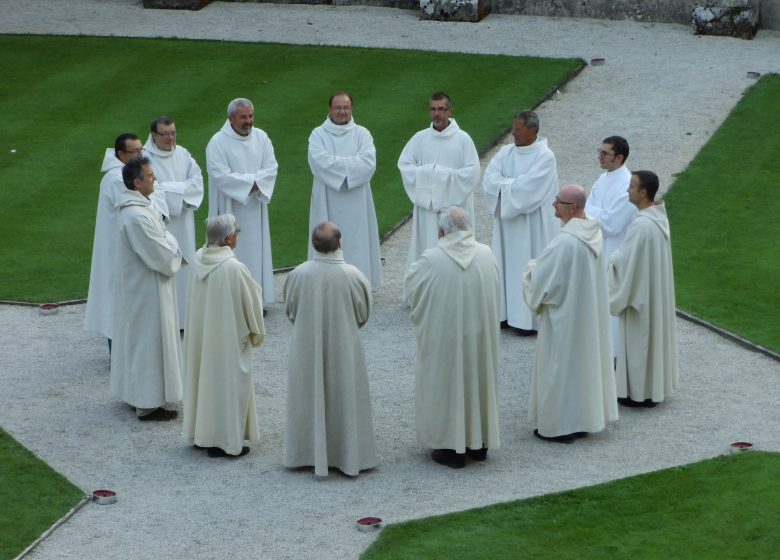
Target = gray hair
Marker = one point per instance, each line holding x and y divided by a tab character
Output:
236	103
453	218
219	228
530	118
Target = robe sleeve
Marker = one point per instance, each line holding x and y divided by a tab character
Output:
290	297
614	216
187	193
527	192
361	297
341	171
252	308
626	273
453	185
494	180
238	185
154	245
542	277
412	171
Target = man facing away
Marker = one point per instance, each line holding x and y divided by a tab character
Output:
439	167
453	294
180	180
342	159
573	383
608	203
329	420
520	183
146	359
224	323
242	174
641	293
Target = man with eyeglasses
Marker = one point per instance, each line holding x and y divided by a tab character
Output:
439	167
573	383
99	311
641	286
179	179
520	183
608	203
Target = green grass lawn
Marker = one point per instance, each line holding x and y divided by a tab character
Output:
32	497
725	233
65	99
723	508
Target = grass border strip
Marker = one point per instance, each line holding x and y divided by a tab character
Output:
745	343
84	501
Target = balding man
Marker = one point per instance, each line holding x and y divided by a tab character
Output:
329	420
224	322
453	294
573	383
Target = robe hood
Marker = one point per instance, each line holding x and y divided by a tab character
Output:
336	256
657	215
110	161
451	130
151	147
588	231
208	259
131	198
338	129
540	144
228	131
460	246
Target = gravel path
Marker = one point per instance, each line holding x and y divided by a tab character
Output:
662	88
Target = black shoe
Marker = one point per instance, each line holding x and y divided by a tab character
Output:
477	454
159	415
265	311
449	458
568	438
647	403
215	452
579	435
523	332
504	325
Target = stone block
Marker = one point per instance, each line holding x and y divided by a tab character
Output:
732	18
454	10
176	4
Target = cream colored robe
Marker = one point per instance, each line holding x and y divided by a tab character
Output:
342	159
520	185
453	294
146	356
234	164
329	420
180	180
573	384
438	169
641	291
224	323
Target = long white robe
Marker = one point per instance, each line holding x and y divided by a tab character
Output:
146	356
99	315
608	204
224	323
180	180
342	159
573	384
641	291
453	294
329	420
520	184
234	164
438	169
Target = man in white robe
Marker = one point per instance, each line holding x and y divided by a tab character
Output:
608	203
242	174
573	383
179	179
100	299
453	294
520	184
342	159
641	292
439	168
329	419
224	323
146	357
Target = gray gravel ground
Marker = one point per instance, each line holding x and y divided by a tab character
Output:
662	88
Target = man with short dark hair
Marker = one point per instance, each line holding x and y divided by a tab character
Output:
641	286
329	420
146	357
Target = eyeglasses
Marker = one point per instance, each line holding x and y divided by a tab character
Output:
559	201
169	134
135	151
602	153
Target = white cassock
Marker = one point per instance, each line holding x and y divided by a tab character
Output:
234	164
224	323
520	185
438	169
146	356
329	420
573	383
641	292
342	159
453	294
608	204
180	180
99	314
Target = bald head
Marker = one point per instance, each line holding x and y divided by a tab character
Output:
570	202
326	237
